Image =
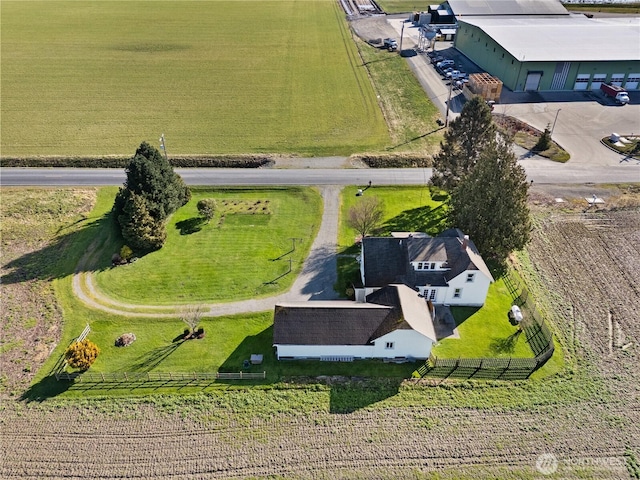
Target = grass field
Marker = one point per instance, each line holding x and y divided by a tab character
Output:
96	78
234	257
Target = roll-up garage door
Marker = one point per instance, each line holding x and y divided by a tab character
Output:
632	81
598	79
582	81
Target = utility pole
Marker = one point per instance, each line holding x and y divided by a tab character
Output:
401	37
446	117
554	122
163	147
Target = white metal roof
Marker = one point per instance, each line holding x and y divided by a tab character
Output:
506	7
564	39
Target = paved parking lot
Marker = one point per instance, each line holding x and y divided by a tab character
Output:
581	119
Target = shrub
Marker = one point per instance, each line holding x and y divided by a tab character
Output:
126	253
544	142
82	354
207	208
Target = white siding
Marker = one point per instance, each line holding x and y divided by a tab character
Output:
473	294
317	351
406	343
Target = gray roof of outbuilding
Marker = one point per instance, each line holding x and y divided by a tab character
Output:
395	307
574	38
506	7
327	323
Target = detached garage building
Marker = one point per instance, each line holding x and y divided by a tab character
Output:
534	45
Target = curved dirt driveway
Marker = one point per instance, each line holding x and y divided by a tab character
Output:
315	282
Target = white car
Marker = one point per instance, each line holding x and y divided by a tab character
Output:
445	63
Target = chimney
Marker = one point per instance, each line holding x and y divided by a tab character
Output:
465	242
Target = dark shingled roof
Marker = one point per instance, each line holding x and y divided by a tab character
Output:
396	307
327	323
387	259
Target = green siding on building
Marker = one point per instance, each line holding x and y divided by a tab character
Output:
497	61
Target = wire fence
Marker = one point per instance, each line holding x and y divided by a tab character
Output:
141	377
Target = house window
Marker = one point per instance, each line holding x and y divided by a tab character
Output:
470	277
457	293
389	345
432	294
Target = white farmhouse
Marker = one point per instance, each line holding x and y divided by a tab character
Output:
446	269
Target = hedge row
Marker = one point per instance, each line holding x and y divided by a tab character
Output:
396	161
200	161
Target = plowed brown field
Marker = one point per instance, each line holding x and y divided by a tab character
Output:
588	264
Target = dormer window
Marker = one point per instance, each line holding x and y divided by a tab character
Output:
425	265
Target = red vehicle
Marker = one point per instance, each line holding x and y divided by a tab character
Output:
619	94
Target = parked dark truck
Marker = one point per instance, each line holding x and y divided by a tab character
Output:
619	94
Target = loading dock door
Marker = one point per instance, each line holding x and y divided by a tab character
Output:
582	81
632	81
533	81
598	79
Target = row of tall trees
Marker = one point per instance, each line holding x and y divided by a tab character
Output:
488	187
151	193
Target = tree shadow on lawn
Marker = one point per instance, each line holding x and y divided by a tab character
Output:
504	345
47	264
153	358
421	219
190	225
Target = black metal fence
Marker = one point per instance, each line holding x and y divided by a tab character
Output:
537	334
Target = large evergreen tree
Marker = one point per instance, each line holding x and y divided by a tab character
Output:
490	203
139	229
151	193
467	137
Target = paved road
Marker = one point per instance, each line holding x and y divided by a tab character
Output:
538	170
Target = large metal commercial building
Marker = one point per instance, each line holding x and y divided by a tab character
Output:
537	45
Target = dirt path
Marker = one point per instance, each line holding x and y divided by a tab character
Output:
315	282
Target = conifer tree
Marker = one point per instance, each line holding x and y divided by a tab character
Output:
490	203
467	137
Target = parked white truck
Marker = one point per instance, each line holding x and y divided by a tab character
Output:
619	94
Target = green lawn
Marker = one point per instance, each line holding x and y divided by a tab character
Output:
406	209
98	77
235	256
485	332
